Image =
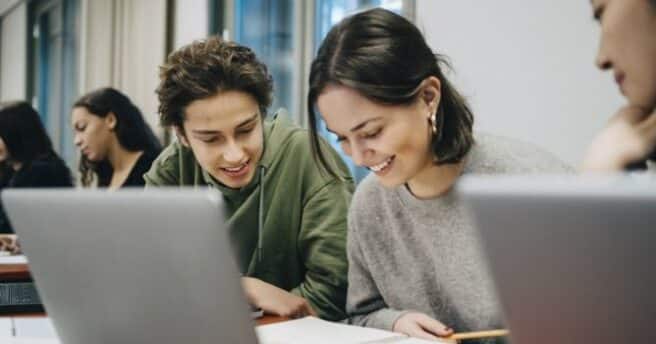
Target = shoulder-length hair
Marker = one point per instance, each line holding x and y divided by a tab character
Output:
22	132
132	131
385	58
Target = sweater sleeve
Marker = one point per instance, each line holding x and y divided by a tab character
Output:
364	304
322	241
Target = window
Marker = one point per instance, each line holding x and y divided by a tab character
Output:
52	69
285	34
268	28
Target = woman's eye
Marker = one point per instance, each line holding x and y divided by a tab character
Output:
340	139
372	134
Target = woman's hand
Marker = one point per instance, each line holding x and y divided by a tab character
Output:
629	136
273	300
9	243
422	326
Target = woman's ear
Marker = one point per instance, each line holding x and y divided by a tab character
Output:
432	92
111	120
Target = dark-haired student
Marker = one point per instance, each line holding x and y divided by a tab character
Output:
116	144
414	262
27	159
288	220
628	48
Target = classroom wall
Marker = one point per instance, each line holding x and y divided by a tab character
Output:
527	69
191	21
123	43
13	51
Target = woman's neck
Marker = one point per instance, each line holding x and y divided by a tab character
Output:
434	180
122	161
121	158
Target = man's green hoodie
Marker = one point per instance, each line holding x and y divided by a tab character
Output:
303	214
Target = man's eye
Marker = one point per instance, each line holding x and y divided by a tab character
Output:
245	131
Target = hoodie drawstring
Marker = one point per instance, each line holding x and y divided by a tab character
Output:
260	214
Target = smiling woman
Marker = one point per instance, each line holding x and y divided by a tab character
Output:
414	264
288	220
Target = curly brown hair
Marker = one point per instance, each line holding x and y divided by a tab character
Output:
204	68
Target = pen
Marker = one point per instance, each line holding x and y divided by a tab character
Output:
478	334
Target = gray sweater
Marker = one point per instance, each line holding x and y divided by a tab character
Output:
423	255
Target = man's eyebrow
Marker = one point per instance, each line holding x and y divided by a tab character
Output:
248	121
214	132
205	132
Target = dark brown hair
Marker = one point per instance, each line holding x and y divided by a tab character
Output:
23	133
204	68
132	131
385	58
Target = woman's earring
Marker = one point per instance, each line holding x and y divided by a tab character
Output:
433	122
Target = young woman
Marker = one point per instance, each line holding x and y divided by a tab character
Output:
288	221
414	263
628	47
117	146
27	158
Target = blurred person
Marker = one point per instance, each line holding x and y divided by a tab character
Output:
27	159
116	144
628	49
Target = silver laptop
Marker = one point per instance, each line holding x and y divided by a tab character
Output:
574	259
132	266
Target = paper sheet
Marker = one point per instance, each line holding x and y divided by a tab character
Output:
317	331
8	259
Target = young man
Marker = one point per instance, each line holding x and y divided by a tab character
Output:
628	48
287	218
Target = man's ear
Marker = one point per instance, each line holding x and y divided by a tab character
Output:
179	132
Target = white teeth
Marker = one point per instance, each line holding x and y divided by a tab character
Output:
382	165
235	169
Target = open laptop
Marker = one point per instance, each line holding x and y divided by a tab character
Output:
136	266
573	258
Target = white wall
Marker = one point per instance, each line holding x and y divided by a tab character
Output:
142	42
13	54
123	43
96	32
191	21
527	68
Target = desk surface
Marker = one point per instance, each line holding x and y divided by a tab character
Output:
14	272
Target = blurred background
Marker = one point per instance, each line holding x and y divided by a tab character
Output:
527	70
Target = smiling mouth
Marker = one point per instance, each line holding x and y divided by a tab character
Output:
236	171
383	166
